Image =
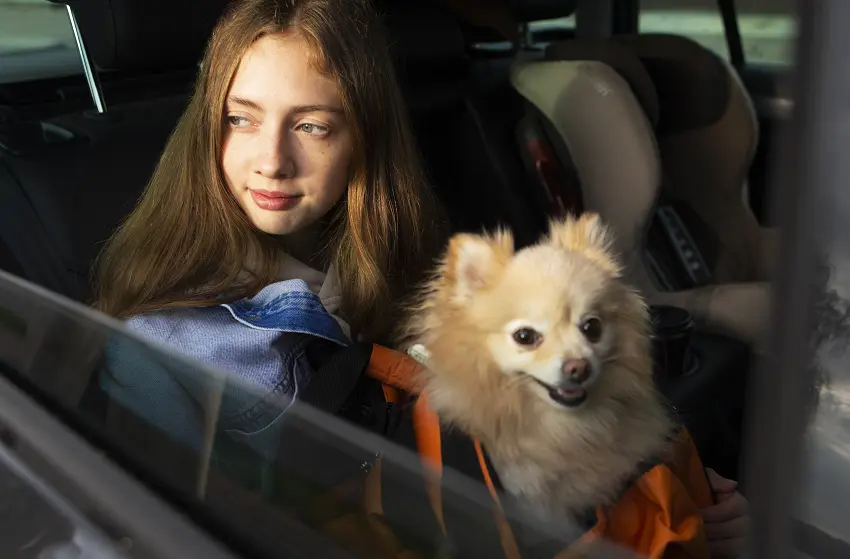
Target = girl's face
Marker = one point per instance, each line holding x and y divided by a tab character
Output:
287	147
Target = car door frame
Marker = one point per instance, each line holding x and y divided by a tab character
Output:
804	100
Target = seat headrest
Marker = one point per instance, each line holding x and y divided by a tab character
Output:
692	83
163	35
158	35
536	10
599	120
620	59
504	16
421	32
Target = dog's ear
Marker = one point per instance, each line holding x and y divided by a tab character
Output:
474	261
589	236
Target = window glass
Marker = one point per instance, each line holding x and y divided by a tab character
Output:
68	355
36	41
541	33
557	23
824	507
37	521
826	503
768	27
807	382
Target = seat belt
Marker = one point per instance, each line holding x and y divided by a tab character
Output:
732	32
334	380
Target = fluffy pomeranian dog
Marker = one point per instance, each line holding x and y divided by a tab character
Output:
544	356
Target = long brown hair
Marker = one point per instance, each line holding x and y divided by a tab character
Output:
186	242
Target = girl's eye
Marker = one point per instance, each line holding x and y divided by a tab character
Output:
238	121
313	129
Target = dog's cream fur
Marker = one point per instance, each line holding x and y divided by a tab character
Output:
558	460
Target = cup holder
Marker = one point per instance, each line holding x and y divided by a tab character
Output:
672	329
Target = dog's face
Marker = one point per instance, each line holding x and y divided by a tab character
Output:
556	313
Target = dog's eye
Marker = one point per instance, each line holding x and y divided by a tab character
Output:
527	337
592	329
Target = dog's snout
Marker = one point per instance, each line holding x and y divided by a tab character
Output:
576	370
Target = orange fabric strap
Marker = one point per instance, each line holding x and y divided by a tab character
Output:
426	426
506	535
395	369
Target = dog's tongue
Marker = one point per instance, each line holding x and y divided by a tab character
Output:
569	397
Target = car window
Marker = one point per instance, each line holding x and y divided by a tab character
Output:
38	523
798	449
552	24
824	501
767	27
539	34
66	355
36	41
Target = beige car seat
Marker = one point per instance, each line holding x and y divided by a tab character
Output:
707	134
607	119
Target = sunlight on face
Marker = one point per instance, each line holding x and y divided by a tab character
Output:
287	146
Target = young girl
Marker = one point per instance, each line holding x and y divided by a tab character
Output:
295	145
287	216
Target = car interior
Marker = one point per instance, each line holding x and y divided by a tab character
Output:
668	141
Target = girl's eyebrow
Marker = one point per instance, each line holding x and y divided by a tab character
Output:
236	100
316	109
245	102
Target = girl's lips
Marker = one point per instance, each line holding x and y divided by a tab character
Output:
274	201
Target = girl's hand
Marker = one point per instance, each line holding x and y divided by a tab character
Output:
727	523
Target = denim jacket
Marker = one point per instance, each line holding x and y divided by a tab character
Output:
259	341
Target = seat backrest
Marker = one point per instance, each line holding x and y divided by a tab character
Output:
707	132
461	120
78	193
707	135
610	138
677	258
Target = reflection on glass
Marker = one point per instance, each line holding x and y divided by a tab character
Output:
297	481
40	524
826	496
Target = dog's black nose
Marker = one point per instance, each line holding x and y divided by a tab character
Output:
576	370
